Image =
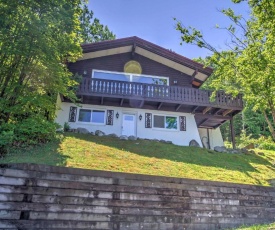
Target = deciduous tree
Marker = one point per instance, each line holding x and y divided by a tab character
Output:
91	28
37	40
248	65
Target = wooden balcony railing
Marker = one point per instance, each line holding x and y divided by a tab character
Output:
162	93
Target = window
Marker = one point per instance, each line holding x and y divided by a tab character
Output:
98	116
159	121
128	118
84	115
94	116
171	123
129	77
150	80
111	76
165	122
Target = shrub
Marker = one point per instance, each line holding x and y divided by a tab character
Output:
245	140
6	139
34	130
265	143
262	143
66	127
29	131
228	144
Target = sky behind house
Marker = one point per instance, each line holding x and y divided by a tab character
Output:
152	20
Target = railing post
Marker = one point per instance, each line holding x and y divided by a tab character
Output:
144	91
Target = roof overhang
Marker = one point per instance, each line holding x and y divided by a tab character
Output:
149	50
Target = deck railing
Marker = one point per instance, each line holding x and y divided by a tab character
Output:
162	93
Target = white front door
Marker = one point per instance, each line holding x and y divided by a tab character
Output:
129	125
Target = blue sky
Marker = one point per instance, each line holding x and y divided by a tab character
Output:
152	20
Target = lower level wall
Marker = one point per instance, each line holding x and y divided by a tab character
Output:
212	139
47	197
176	136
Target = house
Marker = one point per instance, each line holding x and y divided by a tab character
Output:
133	87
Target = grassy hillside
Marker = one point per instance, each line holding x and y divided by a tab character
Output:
259	227
148	157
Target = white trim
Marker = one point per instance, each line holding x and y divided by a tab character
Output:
165	61
130	74
106	52
91	123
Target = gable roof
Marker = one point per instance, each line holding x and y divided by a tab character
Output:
197	71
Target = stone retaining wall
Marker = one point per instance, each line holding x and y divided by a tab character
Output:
47	197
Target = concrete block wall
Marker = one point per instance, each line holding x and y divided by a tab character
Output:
48	197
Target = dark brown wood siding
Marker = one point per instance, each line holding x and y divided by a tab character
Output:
117	62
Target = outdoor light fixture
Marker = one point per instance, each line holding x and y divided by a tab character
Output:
117	115
140	117
85	72
175	82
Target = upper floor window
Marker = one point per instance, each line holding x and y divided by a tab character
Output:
110	75
129	77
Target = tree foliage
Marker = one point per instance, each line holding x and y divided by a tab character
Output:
247	66
37	40
249	122
92	29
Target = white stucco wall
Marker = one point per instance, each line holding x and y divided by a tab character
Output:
177	137
215	137
58	105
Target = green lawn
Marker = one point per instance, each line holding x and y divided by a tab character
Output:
148	157
259	227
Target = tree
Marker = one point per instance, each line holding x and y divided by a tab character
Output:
91	29
249	122
248	65
37	40
254	123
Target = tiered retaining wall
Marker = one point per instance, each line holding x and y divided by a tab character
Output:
46	197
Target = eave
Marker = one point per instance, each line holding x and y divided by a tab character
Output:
195	70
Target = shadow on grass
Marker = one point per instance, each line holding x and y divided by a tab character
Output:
47	153
53	154
190	155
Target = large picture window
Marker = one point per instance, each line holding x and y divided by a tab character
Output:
93	116
165	122
116	76
111	76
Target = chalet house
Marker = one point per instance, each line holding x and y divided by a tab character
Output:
133	87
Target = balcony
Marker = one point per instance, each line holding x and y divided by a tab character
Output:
158	93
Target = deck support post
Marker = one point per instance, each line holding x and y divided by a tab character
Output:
232	133
208	139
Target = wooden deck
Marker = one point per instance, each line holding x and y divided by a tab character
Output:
160	93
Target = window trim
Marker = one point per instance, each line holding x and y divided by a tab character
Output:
90	122
165	129
130	74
